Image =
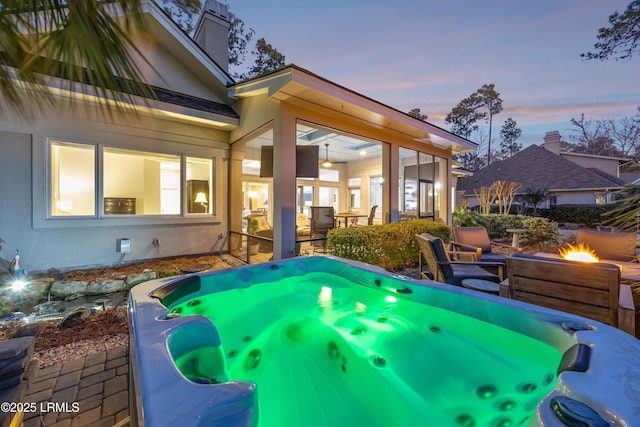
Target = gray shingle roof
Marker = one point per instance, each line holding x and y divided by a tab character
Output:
194	102
536	167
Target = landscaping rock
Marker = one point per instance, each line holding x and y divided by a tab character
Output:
36	289
75	317
13	316
29	330
49	308
105	287
134	279
64	289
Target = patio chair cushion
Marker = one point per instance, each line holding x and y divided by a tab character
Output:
617	245
474	236
261	222
302	225
493	257
442	269
441	254
463	271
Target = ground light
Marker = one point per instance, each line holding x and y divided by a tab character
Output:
18	284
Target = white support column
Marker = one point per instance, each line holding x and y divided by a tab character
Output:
390	168
284	183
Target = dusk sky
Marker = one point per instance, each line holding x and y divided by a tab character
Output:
430	54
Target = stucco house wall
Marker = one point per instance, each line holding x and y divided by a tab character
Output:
46	242
608	165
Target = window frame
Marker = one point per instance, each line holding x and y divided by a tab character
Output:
49	178
423	180
99	217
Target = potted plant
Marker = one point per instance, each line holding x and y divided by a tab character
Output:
253	244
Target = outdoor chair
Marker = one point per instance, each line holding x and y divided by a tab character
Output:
262	228
372	214
439	266
476	239
591	290
609	245
322	220
303	229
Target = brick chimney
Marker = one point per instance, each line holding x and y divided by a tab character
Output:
552	141
212	32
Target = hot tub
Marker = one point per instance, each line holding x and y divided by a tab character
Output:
322	342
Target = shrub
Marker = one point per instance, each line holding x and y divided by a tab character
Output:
390	246
497	225
539	230
577	214
463	216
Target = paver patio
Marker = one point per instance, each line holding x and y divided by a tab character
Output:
93	391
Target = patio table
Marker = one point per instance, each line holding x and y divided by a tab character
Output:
516	232
348	218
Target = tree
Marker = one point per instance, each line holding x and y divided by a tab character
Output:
509	134
76	40
239	38
183	12
622	38
619	138
626	133
463	117
492	102
417	114
474	161
486	196
592	137
484	103
505	193
266	59
535	197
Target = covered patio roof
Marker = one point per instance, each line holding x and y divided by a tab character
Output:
297	85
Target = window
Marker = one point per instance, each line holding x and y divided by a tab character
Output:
601	198
305	199
422	182
328	175
375	192
199	185
148	181
73	171
256	198
128	182
328	196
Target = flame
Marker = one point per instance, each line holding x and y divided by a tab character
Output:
579	252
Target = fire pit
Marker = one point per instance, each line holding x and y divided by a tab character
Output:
579	252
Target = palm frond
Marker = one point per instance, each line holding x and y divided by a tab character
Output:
625	213
79	41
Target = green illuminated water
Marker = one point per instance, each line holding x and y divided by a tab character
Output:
326	352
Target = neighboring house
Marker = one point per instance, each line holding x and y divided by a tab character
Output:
630	173
570	178
180	175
